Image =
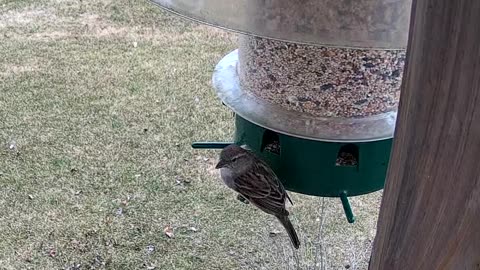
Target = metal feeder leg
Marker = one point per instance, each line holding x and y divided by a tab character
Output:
210	145
347	208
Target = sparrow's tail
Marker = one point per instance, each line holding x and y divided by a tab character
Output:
290	230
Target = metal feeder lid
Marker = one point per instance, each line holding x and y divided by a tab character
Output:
274	117
381	24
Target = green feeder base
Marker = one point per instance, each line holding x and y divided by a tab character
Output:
318	168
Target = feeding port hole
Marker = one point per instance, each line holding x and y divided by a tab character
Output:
347	156
271	142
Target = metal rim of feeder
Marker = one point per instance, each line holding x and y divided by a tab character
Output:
334	129
378	24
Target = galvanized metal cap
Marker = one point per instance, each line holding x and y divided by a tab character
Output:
381	24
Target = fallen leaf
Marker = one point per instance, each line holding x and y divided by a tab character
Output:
169	231
52	252
108	220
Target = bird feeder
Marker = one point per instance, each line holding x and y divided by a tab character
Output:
314	86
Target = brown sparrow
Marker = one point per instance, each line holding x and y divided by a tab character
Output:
253	179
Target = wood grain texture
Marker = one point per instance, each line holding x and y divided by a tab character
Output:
430	213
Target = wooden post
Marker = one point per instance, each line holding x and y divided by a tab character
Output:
430	213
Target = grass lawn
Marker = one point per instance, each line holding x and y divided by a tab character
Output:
99	102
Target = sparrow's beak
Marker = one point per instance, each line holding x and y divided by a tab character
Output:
220	164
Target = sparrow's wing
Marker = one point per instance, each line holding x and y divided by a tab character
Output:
274	179
262	188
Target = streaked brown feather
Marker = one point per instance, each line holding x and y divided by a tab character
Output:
263	189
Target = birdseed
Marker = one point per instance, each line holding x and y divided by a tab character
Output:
273	147
346	159
321	81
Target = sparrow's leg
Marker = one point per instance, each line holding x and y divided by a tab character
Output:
242	199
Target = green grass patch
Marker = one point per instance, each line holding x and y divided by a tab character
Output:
99	102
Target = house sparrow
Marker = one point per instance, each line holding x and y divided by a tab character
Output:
253	179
